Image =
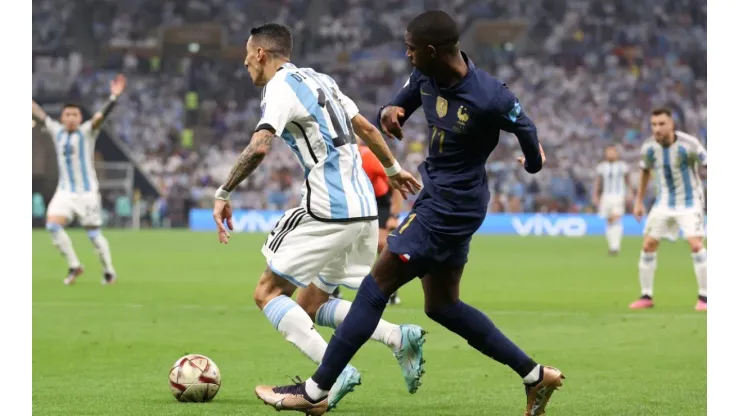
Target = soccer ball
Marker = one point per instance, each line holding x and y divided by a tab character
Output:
195	378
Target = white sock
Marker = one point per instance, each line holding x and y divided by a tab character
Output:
700	268
614	235
648	264
333	312
533	376
296	326
103	250
61	240
313	390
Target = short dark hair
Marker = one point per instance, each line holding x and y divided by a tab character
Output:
274	38
662	110
71	105
434	27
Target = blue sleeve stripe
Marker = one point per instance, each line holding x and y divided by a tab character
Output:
83	161
668	174
686	177
67	149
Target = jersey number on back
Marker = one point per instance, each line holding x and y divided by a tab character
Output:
343	137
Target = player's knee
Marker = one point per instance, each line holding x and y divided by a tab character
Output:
53	227
696	244
650	245
437	312
267	289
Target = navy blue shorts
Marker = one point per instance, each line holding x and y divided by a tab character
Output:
424	249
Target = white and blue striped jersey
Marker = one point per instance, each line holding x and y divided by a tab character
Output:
677	171
612	176
311	114
75	156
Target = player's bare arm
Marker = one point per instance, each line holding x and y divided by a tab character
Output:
248	161
628	186
597	191
398	178
38	112
639	208
117	85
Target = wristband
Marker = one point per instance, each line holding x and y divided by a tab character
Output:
394	216
113	97
222	194
393	170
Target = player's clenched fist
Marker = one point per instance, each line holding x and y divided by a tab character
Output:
522	160
638	210
389	121
222	212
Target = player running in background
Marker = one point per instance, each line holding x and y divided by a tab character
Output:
465	108
677	159
611	192
331	238
390	203
77	194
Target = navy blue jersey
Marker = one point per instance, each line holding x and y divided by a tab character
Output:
464	124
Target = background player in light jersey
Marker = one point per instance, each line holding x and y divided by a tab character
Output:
77	194
331	238
390	203
611	192
676	158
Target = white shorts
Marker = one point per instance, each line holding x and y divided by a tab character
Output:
611	205
304	250
663	223
83	206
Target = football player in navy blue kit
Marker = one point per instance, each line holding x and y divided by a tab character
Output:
465	108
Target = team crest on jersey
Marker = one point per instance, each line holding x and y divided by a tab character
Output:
441	107
462	115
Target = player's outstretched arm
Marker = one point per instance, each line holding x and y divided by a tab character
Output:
511	118
117	85
38	112
399	178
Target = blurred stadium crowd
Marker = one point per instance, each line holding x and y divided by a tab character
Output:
587	73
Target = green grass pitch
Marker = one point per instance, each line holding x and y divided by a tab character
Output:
107	350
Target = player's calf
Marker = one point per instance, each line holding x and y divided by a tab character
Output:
63	243
102	248
699	257
646	268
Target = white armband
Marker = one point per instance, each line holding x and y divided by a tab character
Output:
393	170
222	194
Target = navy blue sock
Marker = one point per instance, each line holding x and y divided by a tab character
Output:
357	328
482	334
